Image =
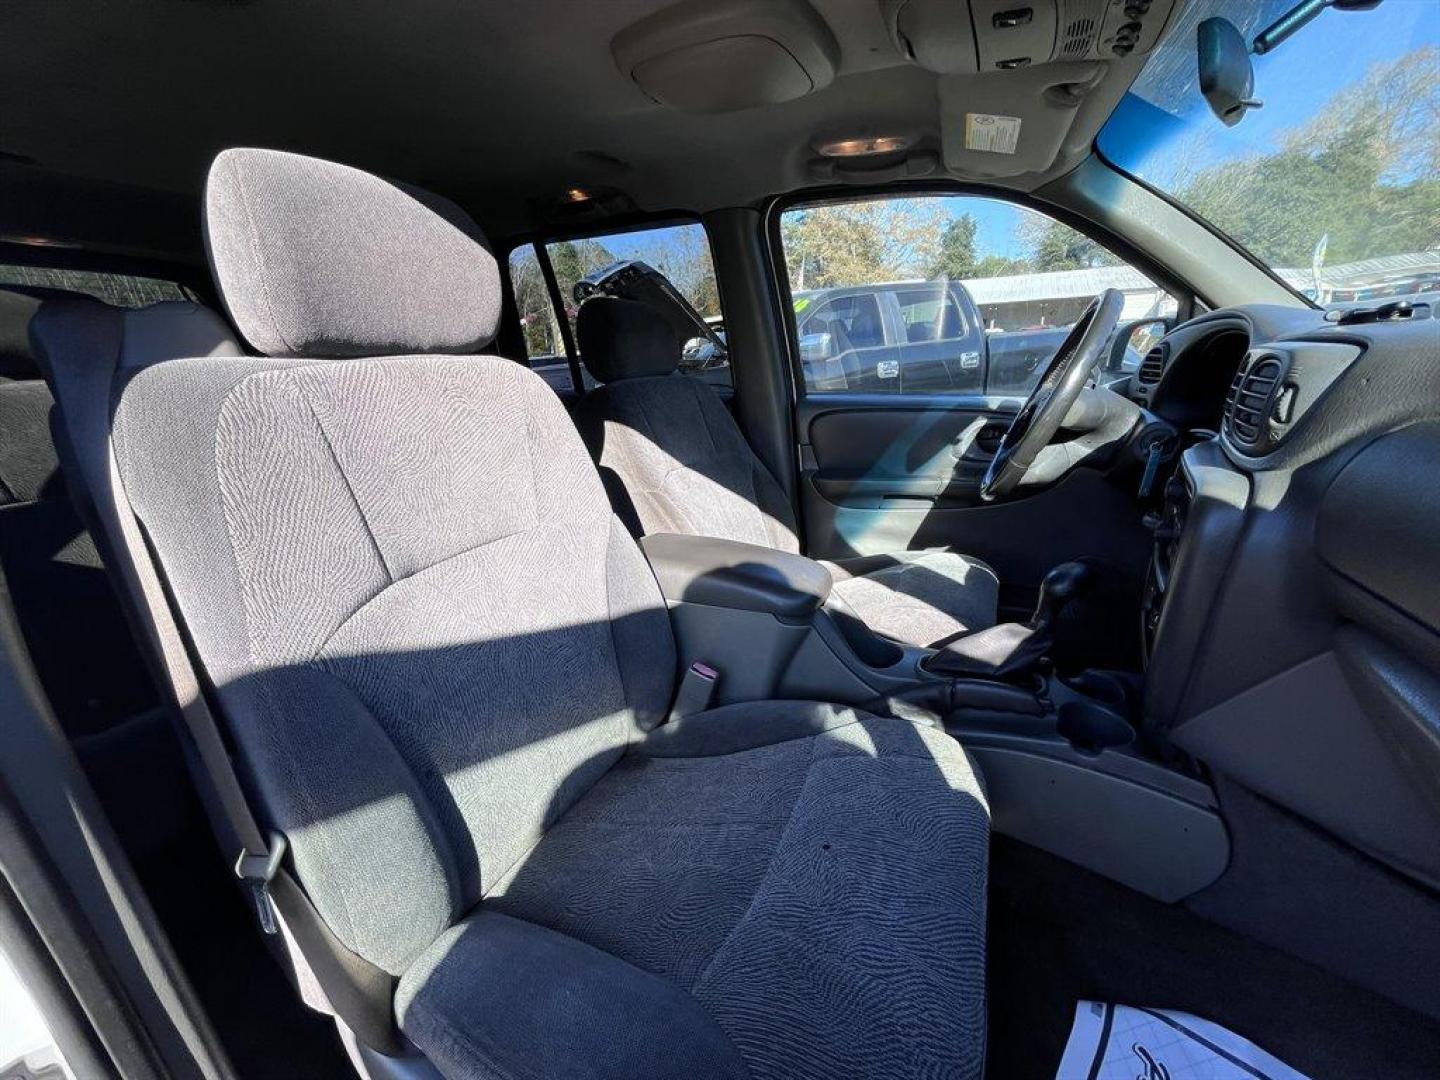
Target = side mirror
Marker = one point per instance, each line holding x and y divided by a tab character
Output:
816	347
1131	342
1226	78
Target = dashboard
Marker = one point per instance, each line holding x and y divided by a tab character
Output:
1260	368
1292	605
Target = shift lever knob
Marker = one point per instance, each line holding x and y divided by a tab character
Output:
1061	585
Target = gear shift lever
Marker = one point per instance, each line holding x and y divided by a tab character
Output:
1061	585
1012	651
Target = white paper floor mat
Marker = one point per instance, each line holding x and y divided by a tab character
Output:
1122	1042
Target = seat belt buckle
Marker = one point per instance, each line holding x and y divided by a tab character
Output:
697	690
258	871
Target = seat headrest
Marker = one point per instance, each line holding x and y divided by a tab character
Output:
315	259
624	339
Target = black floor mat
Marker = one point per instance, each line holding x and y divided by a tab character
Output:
264	1026
1059	934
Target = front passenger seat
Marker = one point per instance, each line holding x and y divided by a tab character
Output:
446	668
680	464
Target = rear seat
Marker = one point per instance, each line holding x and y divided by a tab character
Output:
77	633
68	614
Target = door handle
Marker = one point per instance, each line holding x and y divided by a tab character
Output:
979	440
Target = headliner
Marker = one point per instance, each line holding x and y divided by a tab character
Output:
493	104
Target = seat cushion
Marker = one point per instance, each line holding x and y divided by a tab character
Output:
822	897
918	597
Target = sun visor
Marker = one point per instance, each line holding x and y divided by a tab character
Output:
714	56
1008	123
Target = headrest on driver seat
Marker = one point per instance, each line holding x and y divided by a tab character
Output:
315	259
624	339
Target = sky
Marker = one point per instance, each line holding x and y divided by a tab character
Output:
1335	50
1332	52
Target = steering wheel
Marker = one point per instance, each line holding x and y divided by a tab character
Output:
1044	410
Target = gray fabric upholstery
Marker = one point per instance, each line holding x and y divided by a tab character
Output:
17	358
745	726
29	469
680	464
683	463
313	258
169	330
441	660
823	897
554	1007
622	339
366	554
919	597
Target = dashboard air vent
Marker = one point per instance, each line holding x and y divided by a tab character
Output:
1251	397
1153	366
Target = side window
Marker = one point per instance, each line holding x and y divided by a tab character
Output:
654	266
959	294
840	337
544	349
930	315
121	290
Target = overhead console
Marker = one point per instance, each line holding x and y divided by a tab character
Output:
1014	72
967	37
714	56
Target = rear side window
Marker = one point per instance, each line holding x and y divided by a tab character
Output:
679	253
929	314
121	290
544	347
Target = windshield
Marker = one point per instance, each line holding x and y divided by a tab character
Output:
1335	183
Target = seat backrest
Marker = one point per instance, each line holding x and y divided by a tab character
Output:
677	455
425	629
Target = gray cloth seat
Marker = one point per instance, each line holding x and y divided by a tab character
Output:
675	461
799	891
445	665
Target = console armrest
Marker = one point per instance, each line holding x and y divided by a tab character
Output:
723	573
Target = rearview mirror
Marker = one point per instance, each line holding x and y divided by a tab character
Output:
1226	78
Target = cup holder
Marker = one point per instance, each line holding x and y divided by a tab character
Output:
1091	728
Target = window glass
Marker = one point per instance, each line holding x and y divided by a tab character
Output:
544	348
943	294
644	265
1335	183
122	290
929	315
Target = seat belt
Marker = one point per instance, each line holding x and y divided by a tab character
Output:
330	978
259	857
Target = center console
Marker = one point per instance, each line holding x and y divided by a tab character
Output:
1063	767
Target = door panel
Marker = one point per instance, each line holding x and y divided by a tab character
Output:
974	295
882	474
864	455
